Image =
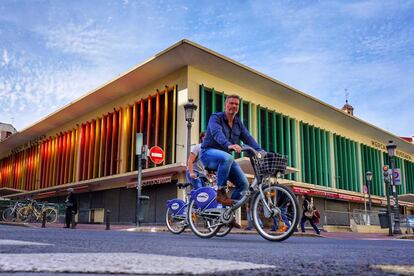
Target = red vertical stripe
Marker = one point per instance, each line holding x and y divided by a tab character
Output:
86	155
108	152
91	149
114	142
81	152
149	124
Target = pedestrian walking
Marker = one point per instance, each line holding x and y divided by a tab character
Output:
71	207
308	214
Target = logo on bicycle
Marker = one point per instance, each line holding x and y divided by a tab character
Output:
175	206
202	197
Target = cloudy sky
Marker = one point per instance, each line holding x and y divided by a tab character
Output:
52	52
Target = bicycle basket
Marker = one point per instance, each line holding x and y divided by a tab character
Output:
269	164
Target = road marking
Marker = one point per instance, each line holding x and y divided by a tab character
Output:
129	263
16	242
399	269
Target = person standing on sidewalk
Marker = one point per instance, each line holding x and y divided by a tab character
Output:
195	167
71	207
308	214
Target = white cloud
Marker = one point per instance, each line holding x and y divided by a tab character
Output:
31	94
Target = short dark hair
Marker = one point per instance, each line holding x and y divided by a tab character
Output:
202	135
233	96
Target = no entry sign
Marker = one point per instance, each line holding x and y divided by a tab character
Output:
156	155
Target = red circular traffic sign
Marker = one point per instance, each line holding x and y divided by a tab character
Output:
156	154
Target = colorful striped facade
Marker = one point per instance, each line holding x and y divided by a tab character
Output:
95	148
92	147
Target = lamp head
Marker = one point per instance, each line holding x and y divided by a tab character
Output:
189	109
391	148
368	175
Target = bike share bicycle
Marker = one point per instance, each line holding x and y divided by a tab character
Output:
271	202
176	215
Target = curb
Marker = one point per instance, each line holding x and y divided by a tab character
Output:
242	232
406	237
21	224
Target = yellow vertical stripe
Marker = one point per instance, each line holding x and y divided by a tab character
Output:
173	122
165	124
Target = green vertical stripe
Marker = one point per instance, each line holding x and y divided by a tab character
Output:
321	181
280	137
287	143
250	127
274	132
328	142
308	154
223	99
294	149
314	154
213	100
267	130
302	152
336	154
203	109
324	159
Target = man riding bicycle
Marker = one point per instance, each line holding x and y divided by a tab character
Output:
224	132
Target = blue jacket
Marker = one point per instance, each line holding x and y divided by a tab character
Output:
219	135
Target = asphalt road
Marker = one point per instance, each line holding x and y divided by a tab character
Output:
49	251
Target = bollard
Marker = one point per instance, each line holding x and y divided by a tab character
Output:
108	223
44	219
73	223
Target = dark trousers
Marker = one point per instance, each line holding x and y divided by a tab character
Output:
68	216
302	224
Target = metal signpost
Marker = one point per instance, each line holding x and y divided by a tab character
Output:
138	152
391	154
387	193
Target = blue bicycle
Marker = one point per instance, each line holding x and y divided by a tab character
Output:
274	207
176	216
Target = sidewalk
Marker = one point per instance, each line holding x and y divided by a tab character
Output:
160	228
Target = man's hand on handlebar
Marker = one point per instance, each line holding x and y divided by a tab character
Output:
193	175
235	147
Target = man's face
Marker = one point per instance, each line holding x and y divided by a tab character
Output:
232	106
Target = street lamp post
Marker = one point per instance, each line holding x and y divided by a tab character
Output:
368	177
189	109
391	153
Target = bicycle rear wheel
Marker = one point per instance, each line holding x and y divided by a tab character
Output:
8	214
203	226
278	223
224	230
175	224
51	214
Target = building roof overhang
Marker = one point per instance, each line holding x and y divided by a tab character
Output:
122	180
187	53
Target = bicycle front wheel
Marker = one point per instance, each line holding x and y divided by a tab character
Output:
175	224
276	215
203	226
51	215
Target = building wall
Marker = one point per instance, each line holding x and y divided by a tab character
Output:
327	153
100	143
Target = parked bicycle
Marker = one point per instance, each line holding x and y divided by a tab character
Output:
275	209
10	213
176	215
33	212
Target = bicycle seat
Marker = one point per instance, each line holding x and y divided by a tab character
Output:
183	185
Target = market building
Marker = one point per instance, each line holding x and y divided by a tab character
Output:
89	144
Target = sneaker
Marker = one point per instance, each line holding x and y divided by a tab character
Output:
248	228
223	199
283	228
